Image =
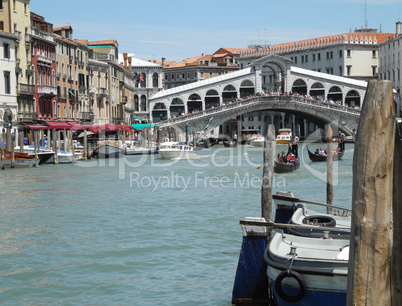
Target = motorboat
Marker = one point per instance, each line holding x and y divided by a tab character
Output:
176	150
63	157
134	148
307	271
257	141
283	136
21	160
43	154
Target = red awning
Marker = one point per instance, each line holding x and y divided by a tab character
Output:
58	125
36	126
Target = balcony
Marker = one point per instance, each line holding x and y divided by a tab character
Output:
47	90
26	116
58	74
27	38
44	59
91	90
82	90
124	100
25	89
86	116
102	91
19	35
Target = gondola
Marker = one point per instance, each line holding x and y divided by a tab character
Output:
321	158
289	167
230	144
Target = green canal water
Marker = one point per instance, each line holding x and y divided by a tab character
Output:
140	230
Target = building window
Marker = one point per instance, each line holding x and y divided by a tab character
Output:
2	25
314	57
6	48
374	54
348	53
340	70
7	82
340	53
295	59
348	70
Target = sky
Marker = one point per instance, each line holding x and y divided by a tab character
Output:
179	29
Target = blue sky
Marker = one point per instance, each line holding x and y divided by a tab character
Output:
178	29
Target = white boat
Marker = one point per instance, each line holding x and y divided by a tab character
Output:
134	148
63	157
175	150
283	136
258	141
307	271
306	264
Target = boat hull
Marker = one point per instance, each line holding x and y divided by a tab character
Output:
321	158
283	168
21	160
140	151
107	151
306	270
176	154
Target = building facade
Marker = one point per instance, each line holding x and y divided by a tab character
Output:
8	94
391	62
44	67
15	18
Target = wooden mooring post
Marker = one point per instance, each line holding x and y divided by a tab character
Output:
374	276
268	174
330	163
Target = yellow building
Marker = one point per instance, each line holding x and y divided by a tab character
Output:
15	18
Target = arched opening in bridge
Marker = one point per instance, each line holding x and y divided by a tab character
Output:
352	99
246	89
211	99
317	91
143	104
229	94
159	112
176	107
194	103
300	87
335	94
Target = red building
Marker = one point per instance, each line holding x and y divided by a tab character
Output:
44	65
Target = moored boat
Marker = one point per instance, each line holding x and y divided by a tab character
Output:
44	154
134	148
322	158
175	150
107	150
23	160
307	271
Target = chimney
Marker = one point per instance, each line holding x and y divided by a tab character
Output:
163	62
125	59
129	64
398	28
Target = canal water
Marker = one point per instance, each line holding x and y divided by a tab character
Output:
140	230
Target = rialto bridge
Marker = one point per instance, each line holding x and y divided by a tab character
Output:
282	94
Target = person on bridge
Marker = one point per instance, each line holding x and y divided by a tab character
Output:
234	137
293	145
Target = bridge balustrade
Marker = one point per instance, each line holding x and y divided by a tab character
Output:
260	99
